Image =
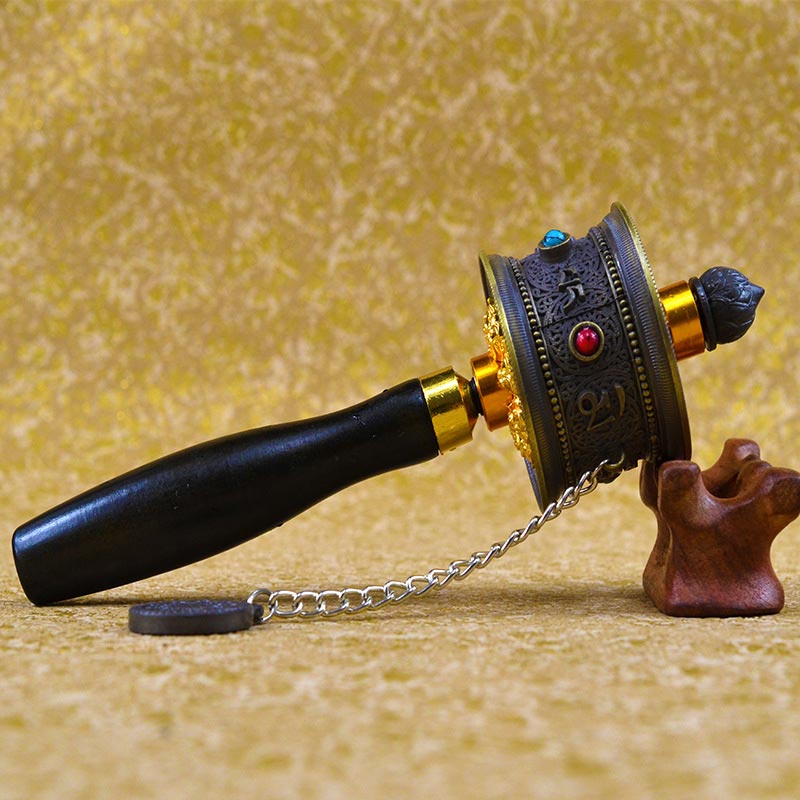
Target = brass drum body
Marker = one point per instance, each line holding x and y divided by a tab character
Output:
588	355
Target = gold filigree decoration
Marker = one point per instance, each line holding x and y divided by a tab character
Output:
505	376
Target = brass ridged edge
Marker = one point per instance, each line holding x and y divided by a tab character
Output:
541	352
633	341
505	377
676	387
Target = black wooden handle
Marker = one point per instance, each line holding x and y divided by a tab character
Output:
200	501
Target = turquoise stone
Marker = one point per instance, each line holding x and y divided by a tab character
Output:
554	237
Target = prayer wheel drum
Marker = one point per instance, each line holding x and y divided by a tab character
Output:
587	353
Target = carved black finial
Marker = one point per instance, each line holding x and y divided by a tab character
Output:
727	302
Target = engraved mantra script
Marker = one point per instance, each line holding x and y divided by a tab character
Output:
601	410
571	284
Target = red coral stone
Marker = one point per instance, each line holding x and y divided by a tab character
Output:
587	341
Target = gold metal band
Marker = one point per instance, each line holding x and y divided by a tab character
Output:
495	398
683	319
493	330
450	405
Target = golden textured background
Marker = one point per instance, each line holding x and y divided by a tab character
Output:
219	215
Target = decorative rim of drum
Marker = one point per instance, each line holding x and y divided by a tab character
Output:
675	440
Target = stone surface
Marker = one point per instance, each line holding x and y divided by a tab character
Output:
587	340
218	215
554	237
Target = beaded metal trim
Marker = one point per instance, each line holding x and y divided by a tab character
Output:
630	330
541	352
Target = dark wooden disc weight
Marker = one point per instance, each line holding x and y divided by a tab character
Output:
711	557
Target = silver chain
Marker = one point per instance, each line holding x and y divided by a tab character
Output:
287	604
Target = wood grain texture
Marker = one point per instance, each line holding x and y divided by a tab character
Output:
711	557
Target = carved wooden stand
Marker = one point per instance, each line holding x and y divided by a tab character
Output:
715	528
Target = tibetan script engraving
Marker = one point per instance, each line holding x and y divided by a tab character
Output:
570	284
601	410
